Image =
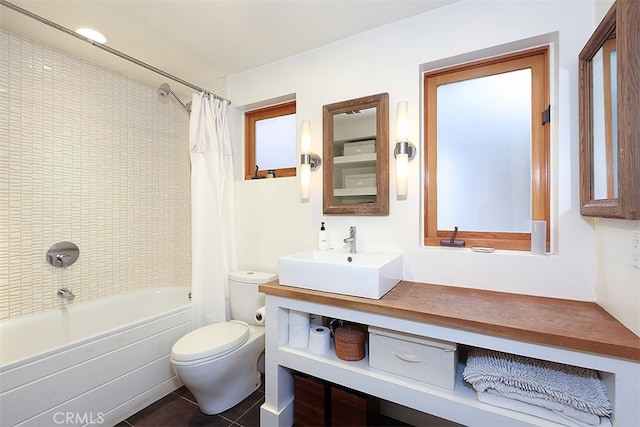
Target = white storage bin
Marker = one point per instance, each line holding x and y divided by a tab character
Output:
359	147
360	180
419	358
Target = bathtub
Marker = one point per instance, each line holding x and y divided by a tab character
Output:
92	363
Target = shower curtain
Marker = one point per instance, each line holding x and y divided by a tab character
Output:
212	210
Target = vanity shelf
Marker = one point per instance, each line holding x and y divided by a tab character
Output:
388	386
416	309
339	144
359	191
356	175
368	159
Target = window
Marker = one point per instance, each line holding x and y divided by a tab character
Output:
487	151
270	141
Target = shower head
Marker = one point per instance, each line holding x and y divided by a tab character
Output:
164	90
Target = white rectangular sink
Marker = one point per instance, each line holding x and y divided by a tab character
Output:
363	274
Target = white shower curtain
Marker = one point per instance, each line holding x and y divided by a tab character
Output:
212	210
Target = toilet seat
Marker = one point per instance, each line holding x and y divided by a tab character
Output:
210	341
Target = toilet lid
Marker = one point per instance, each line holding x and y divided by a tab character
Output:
211	340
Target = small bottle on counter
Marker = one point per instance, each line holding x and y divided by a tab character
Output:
323	240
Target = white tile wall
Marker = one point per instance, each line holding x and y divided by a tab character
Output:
91	156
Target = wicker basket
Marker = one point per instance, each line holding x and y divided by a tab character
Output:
349	342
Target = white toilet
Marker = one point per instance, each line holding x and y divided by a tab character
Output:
218	363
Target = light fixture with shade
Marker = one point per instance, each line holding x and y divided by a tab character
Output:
404	151
308	161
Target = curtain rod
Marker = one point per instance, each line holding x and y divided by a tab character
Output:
110	50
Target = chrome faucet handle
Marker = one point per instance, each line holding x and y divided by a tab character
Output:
63	259
62	254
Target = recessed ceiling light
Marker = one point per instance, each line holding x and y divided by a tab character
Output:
94	35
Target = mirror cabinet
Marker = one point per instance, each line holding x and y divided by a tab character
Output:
356	156
610	116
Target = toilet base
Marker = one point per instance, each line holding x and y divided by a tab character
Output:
224	382
217	405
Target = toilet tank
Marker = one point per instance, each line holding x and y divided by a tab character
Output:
244	298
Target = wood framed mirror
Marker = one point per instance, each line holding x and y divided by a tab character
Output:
609	116
355	136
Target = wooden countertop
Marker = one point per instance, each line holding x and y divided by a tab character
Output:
574	325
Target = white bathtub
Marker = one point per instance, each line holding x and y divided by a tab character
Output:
91	363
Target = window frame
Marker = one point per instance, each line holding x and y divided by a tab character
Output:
538	60
250	119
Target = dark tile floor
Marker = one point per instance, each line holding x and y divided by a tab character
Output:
179	409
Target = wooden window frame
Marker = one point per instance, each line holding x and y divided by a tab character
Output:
538	60
250	119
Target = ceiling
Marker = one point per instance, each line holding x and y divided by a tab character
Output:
202	40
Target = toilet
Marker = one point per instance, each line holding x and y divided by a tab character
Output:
218	363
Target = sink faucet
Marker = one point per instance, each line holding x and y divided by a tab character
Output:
66	294
351	240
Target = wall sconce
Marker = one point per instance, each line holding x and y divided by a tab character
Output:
308	160
404	151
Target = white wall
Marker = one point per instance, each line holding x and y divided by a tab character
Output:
617	281
274	222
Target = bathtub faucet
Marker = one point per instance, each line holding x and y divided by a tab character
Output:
63	259
66	294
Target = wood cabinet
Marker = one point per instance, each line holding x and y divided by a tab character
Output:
310	402
320	403
610	159
356	160
352	409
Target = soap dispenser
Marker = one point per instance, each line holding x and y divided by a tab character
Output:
323	240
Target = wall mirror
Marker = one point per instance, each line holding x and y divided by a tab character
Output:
609	111
355	150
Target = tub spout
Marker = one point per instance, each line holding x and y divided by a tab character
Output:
66	294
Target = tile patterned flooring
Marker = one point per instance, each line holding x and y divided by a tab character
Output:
179	409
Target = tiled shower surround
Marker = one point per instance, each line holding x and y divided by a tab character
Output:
94	157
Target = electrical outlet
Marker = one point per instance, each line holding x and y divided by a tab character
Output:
635	250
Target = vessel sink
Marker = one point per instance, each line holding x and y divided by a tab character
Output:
363	274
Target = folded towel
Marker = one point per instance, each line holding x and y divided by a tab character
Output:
575	387
495	399
575	415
